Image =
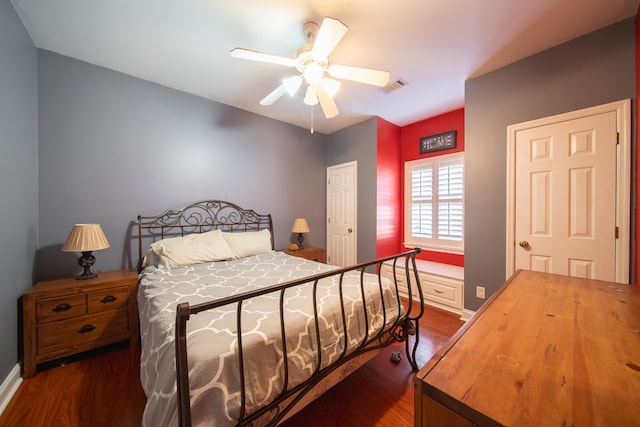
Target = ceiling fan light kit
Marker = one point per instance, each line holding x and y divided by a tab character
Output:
310	97
313	73
332	86
292	84
312	61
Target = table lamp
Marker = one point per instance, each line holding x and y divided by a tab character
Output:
300	226
86	238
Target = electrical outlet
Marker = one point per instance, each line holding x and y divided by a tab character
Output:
480	292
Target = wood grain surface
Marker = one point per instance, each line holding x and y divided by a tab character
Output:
545	350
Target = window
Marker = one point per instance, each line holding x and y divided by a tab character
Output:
434	203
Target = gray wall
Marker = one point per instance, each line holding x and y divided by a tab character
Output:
18	174
592	70
112	147
360	143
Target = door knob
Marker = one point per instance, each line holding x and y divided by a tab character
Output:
523	244
350	230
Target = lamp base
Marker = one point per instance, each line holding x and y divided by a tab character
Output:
85	261
300	239
86	275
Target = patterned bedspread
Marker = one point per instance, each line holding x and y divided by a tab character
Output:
212	343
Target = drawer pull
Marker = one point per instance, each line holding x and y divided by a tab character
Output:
108	299
86	329
438	291
61	308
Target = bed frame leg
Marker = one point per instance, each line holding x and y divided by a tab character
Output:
411	354
404	329
183	313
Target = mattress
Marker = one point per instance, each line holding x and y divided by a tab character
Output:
211	335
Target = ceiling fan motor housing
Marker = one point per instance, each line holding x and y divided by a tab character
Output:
304	57
311	31
312	70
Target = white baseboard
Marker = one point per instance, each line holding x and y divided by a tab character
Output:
9	387
466	314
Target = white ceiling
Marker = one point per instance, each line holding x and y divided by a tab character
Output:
434	45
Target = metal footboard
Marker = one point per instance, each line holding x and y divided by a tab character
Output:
402	327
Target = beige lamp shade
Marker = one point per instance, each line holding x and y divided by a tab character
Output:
85	237
300	226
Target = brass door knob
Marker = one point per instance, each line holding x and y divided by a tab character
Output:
523	244
350	230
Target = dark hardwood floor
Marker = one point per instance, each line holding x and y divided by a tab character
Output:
104	389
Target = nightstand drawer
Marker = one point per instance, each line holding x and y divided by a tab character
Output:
108	299
52	309
74	332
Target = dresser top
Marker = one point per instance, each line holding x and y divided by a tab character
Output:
544	350
71	284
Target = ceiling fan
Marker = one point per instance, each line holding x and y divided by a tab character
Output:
312	61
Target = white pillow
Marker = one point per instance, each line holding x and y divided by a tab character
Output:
244	244
192	249
150	258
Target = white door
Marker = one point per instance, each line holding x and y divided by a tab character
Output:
341	214
566	198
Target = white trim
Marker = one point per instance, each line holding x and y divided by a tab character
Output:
409	246
9	387
623	180
466	314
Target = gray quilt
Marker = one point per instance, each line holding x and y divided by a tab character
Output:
212	342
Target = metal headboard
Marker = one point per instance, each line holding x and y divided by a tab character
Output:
200	217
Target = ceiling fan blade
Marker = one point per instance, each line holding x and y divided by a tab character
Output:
361	75
289	85
330	33
329	107
262	57
275	95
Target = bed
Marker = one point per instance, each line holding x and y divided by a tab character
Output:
236	333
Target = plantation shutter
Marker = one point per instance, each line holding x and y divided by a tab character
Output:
450	197
422	202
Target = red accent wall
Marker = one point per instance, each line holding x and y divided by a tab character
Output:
635	217
388	195
410	150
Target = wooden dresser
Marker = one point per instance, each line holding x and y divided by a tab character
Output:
67	316
545	350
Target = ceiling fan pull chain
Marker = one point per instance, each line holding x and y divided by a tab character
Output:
312	119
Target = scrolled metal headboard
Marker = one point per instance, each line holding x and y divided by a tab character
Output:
200	217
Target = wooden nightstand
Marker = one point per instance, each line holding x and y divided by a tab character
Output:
313	254
67	316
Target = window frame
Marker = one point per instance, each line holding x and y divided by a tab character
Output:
434	243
